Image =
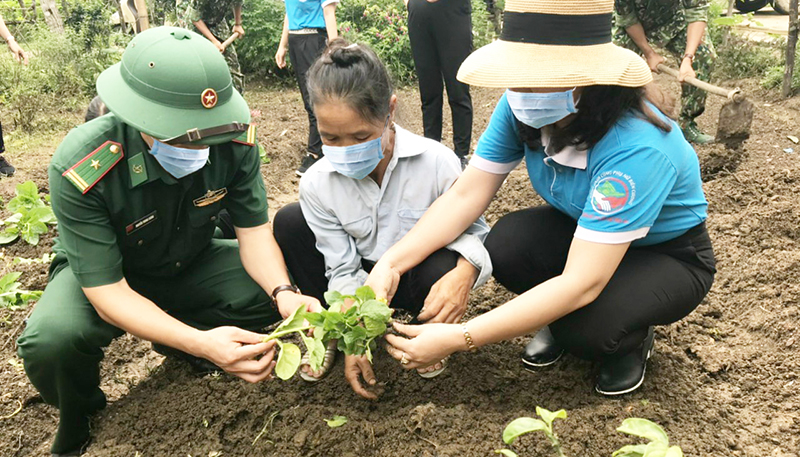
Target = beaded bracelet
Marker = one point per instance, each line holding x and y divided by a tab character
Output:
468	338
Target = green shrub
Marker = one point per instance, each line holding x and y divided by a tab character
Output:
263	25
61	74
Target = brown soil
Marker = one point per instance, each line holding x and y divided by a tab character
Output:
723	382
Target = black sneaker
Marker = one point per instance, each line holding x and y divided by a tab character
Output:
541	351
6	169
625	374
199	366
308	160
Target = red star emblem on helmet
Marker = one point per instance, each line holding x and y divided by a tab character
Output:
209	98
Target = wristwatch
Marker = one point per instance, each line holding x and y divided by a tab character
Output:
690	56
282	288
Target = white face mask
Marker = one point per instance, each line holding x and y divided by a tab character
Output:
538	110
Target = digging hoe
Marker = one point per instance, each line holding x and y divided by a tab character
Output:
736	114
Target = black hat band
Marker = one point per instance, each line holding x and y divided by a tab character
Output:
556	29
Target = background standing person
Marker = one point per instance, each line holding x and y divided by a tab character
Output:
440	32
307	27
211	18
6	169
679	27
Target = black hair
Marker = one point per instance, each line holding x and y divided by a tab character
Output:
96	109
599	108
354	74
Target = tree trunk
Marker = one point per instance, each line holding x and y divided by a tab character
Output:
142	19
51	16
791	50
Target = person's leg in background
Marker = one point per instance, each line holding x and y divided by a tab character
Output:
423	19
453	40
304	49
693	100
6	169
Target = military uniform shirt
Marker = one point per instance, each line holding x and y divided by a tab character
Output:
660	18
139	219
210	12
306	14
638	184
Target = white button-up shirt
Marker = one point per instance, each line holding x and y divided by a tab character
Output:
356	219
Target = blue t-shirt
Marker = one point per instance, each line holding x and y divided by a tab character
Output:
306	14
638	184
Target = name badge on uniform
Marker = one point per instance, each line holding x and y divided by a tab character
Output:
212	196
136	225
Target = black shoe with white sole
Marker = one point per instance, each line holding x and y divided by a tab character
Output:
625	374
308	160
6	169
541	351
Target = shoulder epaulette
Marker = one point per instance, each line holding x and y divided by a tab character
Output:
248	137
91	169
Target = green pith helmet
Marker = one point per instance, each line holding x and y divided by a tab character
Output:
173	84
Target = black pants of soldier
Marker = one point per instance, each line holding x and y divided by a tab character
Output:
653	285
307	265
62	343
441	38
303	52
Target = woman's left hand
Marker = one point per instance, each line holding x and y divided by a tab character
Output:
428	343
447	300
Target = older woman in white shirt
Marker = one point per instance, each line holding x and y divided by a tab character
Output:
375	182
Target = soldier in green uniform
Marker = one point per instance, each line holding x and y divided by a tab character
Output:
211	18
677	26
137	194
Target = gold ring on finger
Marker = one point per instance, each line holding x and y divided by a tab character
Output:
403	360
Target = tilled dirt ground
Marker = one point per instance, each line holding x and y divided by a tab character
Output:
723	382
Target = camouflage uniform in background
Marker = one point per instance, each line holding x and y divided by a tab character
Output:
665	24
216	15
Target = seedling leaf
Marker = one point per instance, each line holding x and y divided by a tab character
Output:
315	350
293	322
506	452
645	429
365	293
376	309
521	426
631	450
288	360
375	327
674	451
548	416
337	421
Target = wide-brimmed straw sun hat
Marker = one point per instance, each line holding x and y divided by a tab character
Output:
555	43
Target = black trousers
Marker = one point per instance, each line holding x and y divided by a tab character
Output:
441	38
653	285
303	52
2	144
307	265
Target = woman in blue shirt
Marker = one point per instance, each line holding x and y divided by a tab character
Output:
621	245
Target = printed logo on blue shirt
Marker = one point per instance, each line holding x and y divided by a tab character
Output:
612	191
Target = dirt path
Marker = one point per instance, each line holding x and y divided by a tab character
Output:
723	382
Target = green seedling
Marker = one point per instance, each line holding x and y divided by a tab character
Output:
524	425
337	421
289	355
658	445
356	328
11	296
30	215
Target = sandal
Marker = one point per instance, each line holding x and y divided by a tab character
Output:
327	363
434	373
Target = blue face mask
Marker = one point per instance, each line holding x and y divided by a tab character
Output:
538	110
179	162
358	160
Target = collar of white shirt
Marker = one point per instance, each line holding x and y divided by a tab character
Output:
569	156
406	144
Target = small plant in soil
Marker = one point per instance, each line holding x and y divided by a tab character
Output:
11	296
30	215
658	445
337	421
355	329
524	425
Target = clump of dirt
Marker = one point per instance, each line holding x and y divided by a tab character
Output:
723	381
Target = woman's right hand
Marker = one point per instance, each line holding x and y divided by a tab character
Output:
384	280
280	57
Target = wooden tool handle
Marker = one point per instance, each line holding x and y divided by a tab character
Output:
734	95
230	40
